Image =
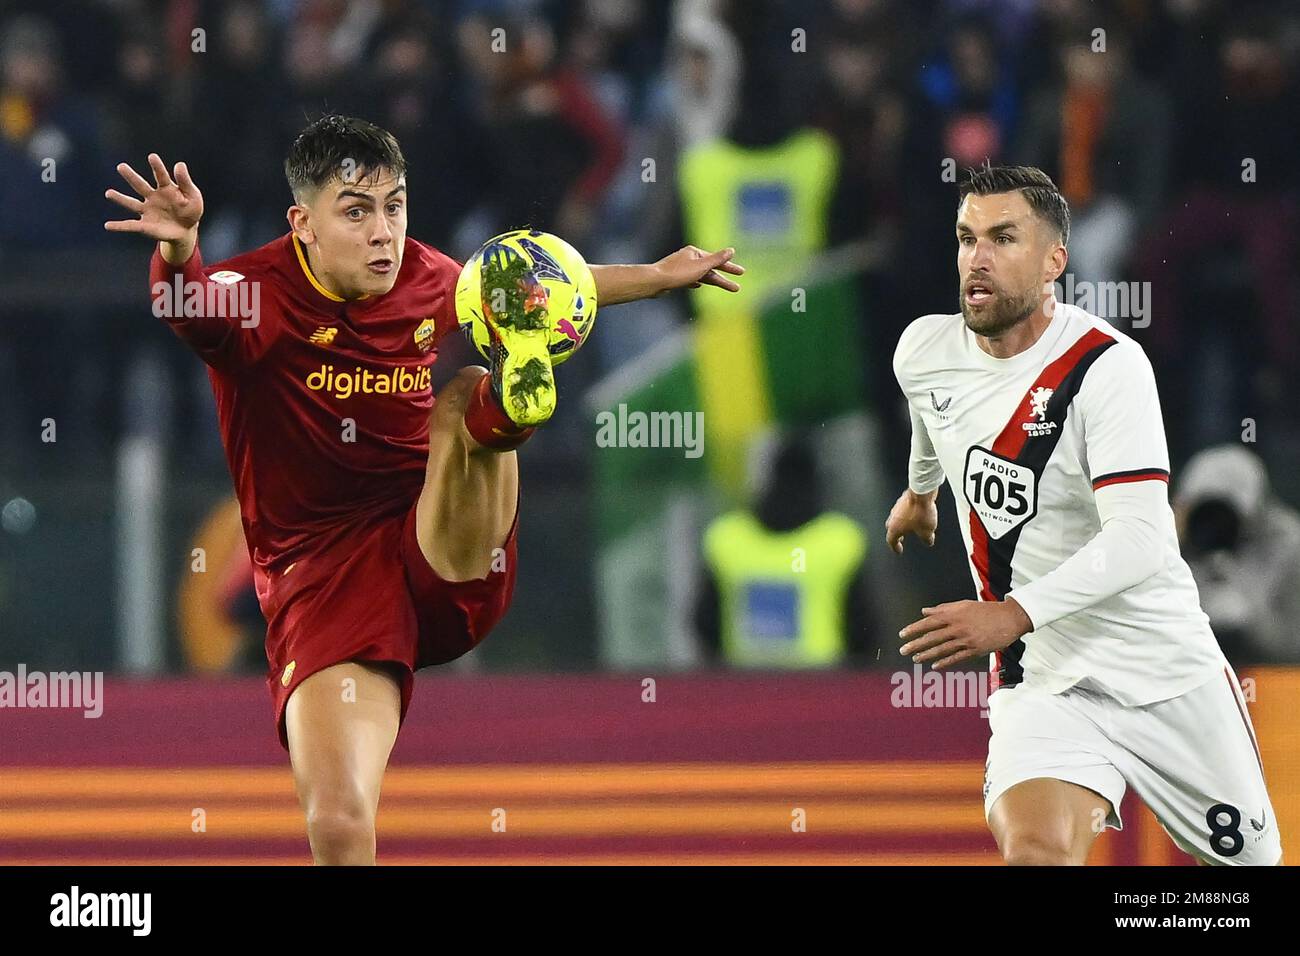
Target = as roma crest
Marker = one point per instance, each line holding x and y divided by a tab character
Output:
424	335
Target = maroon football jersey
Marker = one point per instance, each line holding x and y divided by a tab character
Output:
323	403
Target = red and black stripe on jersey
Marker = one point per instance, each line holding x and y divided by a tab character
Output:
992	557
1137	474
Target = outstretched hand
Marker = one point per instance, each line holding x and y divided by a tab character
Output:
692	267
168	211
959	630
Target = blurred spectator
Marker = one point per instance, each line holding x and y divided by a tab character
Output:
1103	135
691	100
972	93
1243	546
50	147
961	107
552	151
703	77
134	115
1229	246
782	584
51	158
1012	20
412	87
238	87
318	75
858	106
694	103
617	46
765	188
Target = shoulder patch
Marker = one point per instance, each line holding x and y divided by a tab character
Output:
226	277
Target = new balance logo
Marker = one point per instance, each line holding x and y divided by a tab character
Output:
323	335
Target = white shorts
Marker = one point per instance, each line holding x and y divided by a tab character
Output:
1192	759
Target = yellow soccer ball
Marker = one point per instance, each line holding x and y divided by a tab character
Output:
571	290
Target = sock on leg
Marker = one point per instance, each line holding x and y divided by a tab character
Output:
487	421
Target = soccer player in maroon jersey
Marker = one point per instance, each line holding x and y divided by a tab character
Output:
381	523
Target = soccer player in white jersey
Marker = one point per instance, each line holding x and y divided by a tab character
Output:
1046	423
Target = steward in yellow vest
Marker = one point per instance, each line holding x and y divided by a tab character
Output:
772	202
783	585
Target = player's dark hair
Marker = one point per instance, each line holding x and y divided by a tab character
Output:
1034	184
340	147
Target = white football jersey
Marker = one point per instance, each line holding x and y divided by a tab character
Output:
1025	443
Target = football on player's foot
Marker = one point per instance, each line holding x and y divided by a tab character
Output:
515	310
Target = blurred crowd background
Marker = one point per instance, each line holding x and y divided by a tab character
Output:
618	124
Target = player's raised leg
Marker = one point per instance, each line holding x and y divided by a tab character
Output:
1046	822
471	489
341	724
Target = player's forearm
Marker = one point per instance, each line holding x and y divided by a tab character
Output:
178	293
163	272
177	252
1127	550
924	473
616	284
203	314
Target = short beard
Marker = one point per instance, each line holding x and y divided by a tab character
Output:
999	316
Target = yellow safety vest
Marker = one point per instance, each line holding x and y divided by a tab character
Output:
770	203
783	594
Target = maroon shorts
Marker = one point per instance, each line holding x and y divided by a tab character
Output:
374	598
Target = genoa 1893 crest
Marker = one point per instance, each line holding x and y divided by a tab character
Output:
1039	425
